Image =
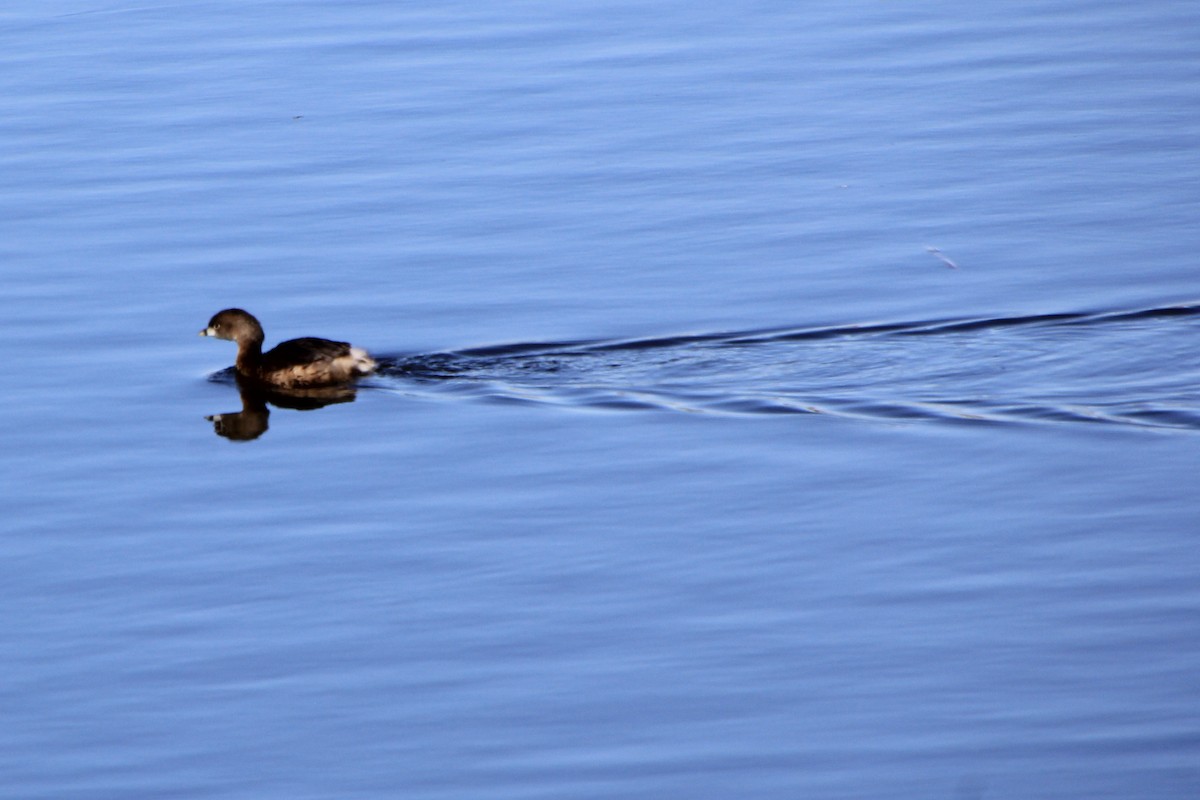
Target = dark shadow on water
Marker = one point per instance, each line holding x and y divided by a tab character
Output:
252	421
1138	367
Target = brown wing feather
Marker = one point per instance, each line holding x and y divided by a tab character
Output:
306	362
297	352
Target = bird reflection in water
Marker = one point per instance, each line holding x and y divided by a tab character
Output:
251	422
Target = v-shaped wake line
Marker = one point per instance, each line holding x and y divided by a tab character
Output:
971	369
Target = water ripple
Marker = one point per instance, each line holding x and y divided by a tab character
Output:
1127	367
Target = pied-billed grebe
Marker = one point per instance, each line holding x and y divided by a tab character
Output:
294	364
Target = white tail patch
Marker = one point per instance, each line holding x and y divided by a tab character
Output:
363	364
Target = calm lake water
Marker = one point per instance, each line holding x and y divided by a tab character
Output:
778	401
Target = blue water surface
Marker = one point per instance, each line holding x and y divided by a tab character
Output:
775	401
